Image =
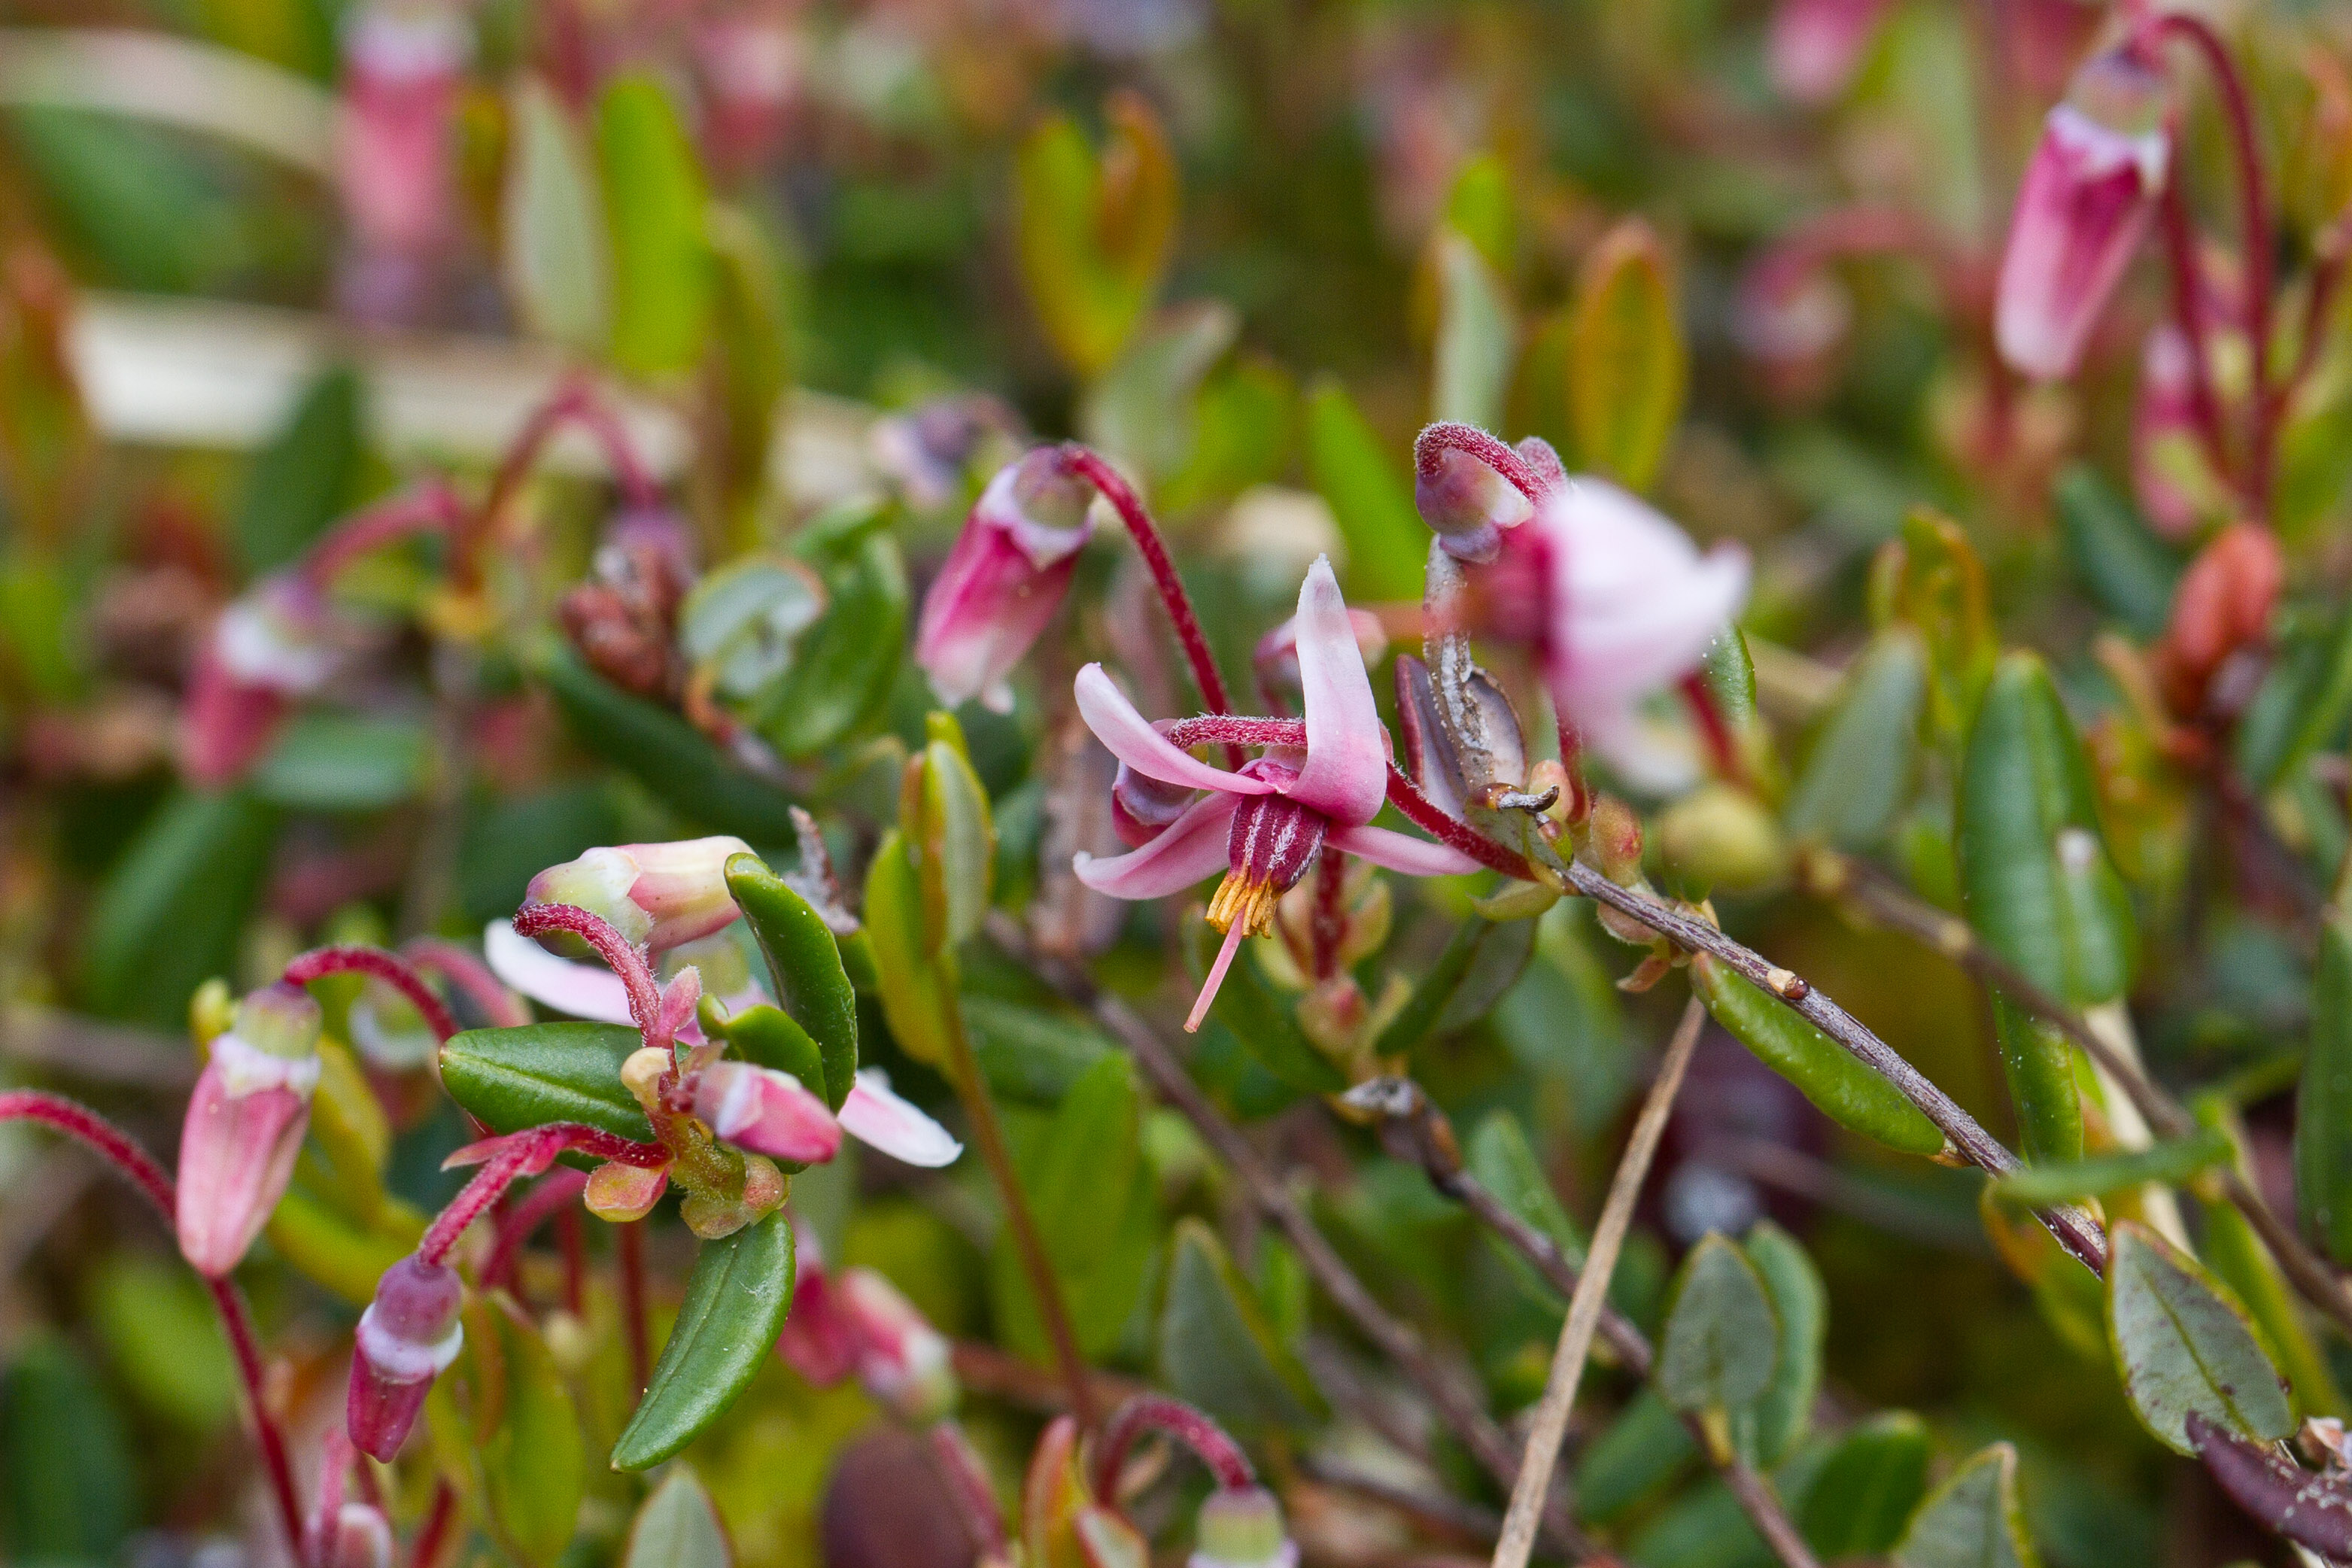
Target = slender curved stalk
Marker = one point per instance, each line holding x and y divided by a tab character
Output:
138	1167
1591	1292
2189	316
432	507
1157	1413
575	400
376	963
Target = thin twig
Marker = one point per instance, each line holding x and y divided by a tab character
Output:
1395	1339
1591	1292
1879	897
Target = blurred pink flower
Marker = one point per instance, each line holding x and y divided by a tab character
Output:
402	67
271	645
1815	46
1004	580
407	1337
245	1126
658	896
2087	200
856	1322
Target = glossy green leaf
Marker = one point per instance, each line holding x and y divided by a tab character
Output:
842	675
736	1301
915	988
662	274
1801	1305
569	1071
2182	1343
1477	341
954	846
1350	467
536	1462
345	762
669	757
305	476
677	1527
769	1037
2173	1160
1847	1093
2323	1118
1858	772
1973	1519
168	914
68	1486
1499	1156
1260	1018
1090	1194
1645	1447
2038	1063
804	965
1721	1342
1869	1485
1216	1348
1627	361
2116	555
553	245
2035	878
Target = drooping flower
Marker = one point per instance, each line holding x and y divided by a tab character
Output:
1813	45
407	1337
1004	580
658	896
402	67
2087	200
1473	489
273	645
854	1320
245	1126
1629	607
872	1113
1242	1526
1265	822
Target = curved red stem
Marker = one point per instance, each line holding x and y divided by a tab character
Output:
468	974
619	955
575	400
432	507
1157	1413
388	967
1418	809
140	1169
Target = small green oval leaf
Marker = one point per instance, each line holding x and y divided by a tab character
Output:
1866	1488
2182	1343
736	1301
1801	1303
915	988
1721	1342
1973	1519
804	964
678	1527
1216	1348
1858	775
527	1077
1627	362
662	273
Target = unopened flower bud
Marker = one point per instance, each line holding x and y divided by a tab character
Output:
658	896
902	1360
2087	200
360	1538
1464	497
1616	841
1241	1527
245	1125
1723	836
1004	580
618	1193
407	1337
641	1073
766	1111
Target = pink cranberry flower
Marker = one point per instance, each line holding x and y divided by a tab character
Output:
658	896
245	1126
856	1322
767	1112
273	645
1813	45
872	1113
1004	580
407	1337
1265	822
2088	198
402	67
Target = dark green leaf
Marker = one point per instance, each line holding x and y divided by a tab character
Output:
67	1488
1028	1054
1498	1155
2323	1107
1216	1348
1800	1304
344	761
1858	773
1972	1520
168	916
678	1527
1091	1195
842	676
1645	1447
305	476
804	964
514	1078
1480	962
2118	558
736	1301
917	991
2300	706
1866	1488
1722	1338
2037	1061
2182	1343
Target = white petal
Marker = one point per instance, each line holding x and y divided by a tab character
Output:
583	990
1347	770
1133	740
873	1115
1401	852
1188	849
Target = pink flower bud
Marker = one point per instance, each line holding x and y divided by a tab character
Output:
1241	1527
819	1340
618	1193
402	68
270	646
902	1360
407	1337
1461	490
360	1538
658	896
1814	45
2088	197
245	1126
1004	580
767	1112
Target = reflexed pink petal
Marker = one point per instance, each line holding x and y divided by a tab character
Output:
1401	851
583	990
1190	849
1346	769
1131	739
876	1116
1633	603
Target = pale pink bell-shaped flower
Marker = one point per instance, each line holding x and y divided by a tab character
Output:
1264	823
658	896
407	1337
871	1112
1472	488
1629	606
819	1342
402	65
245	1126
767	1112
903	1362
1813	45
1004	580
272	646
1242	1526
2088	198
